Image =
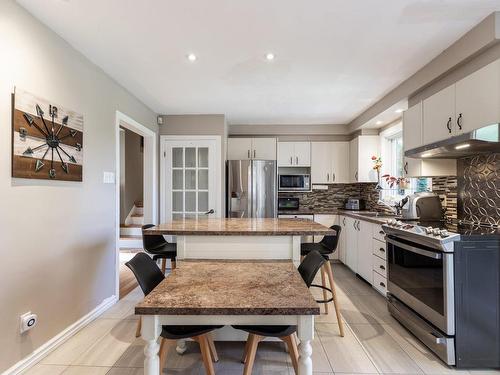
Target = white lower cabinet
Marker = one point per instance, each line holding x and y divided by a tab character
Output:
362	248
365	266
327	221
351	244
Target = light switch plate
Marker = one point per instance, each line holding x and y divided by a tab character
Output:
108	177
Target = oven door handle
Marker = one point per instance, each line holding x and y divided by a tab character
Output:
416	250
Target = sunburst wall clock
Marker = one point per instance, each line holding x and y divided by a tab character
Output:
47	139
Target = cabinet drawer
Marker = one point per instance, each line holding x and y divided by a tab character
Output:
379	249
379	265
378	233
380	283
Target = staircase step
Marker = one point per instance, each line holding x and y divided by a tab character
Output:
138	204
137	215
130	226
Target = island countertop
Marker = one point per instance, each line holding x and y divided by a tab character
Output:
241	227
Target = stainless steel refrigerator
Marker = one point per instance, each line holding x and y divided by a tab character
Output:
252	189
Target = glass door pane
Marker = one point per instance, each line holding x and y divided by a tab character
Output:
191	179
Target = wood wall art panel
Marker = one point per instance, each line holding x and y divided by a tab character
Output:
47	139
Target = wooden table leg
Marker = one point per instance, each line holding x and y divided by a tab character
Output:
305	332
151	330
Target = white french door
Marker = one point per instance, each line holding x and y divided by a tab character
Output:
191	172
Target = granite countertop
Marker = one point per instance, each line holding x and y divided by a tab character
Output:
308	211
231	288
241	227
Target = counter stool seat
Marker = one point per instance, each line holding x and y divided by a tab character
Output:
307	247
159	248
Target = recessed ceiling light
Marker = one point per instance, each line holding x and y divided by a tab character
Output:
399	110
269	56
460	147
191	57
379	122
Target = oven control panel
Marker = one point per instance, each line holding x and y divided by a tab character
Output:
436	233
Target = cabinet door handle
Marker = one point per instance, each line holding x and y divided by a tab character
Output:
381	232
382	267
382	284
382	250
448	125
359	223
333	177
254	154
459	121
296	160
344	221
248	153
328	177
354	224
356	176
406	168
291	160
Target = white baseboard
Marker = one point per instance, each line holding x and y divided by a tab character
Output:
38	354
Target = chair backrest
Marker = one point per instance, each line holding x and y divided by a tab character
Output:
331	242
147	273
151	241
310	266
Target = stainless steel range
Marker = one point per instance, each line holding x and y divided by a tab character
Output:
424	270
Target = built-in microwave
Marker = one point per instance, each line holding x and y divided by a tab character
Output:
294	182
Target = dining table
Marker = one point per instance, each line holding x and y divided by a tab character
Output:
229	292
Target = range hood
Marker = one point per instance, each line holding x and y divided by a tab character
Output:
485	139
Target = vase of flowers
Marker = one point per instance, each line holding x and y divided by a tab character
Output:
377	166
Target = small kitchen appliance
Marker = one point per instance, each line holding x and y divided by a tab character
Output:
425	206
294	182
355	204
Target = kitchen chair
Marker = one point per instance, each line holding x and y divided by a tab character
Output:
157	246
308	269
326	247
148	276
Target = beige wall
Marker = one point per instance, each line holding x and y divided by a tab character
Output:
463	70
57	238
134	174
201	125
480	38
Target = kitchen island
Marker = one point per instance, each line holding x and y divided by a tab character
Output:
240	239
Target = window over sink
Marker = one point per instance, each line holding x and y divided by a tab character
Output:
392	153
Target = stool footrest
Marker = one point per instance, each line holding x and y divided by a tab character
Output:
324	288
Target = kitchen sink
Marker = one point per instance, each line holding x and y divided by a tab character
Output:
376	214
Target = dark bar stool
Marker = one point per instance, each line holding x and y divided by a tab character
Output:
326	247
148	276
157	246
308	269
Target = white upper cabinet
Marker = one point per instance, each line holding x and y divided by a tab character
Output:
469	104
412	127
294	154
340	162
329	162
361	150
478	99
264	148
251	148
439	115
239	148
321	162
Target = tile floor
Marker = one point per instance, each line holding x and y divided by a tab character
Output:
374	343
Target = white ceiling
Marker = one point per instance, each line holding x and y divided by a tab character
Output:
334	58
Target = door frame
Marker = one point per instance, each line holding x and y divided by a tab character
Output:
150	178
163	165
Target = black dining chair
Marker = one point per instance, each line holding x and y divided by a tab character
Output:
148	276
308	269
326	247
156	245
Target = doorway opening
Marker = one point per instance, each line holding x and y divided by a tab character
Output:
136	192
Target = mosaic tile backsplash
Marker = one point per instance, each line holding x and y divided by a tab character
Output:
479	189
